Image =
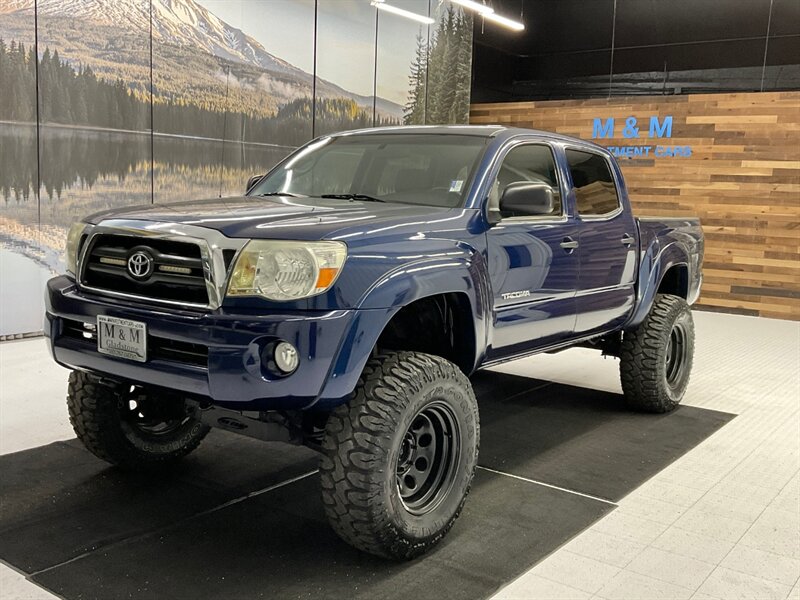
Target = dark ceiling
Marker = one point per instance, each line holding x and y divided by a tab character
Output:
573	40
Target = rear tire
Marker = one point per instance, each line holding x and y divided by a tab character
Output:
399	458
130	428
656	357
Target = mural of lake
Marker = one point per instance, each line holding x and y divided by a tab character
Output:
88	170
22	283
85	171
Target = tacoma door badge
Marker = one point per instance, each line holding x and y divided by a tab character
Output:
513	295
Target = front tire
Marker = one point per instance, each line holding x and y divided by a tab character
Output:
399	458
128	427
656	357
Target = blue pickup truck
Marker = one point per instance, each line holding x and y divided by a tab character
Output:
343	302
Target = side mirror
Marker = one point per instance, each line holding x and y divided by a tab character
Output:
252	182
524	198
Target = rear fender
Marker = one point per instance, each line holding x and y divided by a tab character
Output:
655	264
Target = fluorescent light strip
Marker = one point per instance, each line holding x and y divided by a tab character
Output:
476	6
505	22
381	5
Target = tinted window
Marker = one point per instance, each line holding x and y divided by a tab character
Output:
528	163
595	191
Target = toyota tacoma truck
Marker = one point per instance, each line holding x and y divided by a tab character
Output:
343	302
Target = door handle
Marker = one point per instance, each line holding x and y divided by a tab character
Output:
627	240
569	244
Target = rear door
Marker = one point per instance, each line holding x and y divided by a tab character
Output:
532	266
607	233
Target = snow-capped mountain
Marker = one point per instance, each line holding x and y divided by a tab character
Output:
180	22
187	24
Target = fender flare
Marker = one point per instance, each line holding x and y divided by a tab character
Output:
465	273
652	270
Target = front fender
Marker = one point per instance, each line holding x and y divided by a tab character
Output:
464	273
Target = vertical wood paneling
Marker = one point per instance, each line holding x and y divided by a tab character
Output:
742	179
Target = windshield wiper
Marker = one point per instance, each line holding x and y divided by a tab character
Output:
289	194
363	197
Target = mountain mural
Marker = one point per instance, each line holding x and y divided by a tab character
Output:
194	53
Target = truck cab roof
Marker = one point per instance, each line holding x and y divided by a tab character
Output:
498	132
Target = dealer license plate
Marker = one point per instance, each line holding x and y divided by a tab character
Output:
122	337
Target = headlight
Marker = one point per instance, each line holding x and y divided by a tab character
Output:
279	270
73	241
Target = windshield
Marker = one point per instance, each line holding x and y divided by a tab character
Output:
433	170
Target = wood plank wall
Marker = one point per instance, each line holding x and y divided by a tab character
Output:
742	179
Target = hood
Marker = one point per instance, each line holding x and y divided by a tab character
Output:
275	217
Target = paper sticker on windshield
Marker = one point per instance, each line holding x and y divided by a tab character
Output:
456	185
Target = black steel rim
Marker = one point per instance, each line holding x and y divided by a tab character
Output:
677	348
152	416
427	463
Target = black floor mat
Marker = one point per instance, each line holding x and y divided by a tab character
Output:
581	439
279	545
86	531
59	501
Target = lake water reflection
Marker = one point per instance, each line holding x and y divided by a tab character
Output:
85	171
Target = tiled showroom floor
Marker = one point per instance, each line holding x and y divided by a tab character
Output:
723	521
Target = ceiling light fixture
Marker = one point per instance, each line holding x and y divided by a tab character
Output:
487	12
381	5
476	6
504	21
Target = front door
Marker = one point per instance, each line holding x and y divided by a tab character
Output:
532	262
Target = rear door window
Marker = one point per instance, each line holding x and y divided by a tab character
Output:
595	190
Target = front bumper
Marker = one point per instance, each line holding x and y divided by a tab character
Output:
232	375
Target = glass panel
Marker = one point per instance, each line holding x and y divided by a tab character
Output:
595	192
402	70
449	65
25	262
532	163
345	65
94	100
404	168
279	50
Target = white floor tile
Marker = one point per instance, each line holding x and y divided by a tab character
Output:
765	565
673	568
628	585
776	531
533	587
694	545
712	525
733	585
604	547
575	571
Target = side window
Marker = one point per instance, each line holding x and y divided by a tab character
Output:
595	192
531	163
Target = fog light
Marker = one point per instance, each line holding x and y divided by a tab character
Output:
286	357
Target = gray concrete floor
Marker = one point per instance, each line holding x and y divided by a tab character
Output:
721	522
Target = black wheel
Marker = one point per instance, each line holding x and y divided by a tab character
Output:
399	458
129	427
656	357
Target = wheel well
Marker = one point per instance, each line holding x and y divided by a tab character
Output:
675	282
440	325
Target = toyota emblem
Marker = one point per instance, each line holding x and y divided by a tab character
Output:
140	265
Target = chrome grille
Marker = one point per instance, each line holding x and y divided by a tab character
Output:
175	270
